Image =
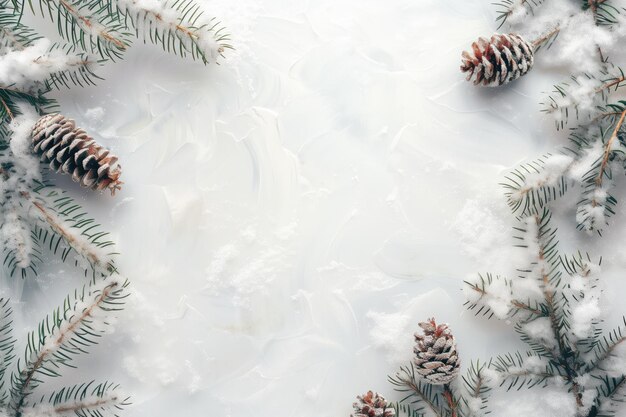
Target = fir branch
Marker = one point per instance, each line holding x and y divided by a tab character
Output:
608	148
95	29
477	388
604	347
530	187
583	96
178	26
482	288
514	373
421	393
70	331
69	222
509	7
13	33
451	401
7	345
597	203
84	400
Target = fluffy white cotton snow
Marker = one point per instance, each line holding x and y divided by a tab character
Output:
540	329
391	333
586	309
26	163
15	230
35	63
578	42
152	14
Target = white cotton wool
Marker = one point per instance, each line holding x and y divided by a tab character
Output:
15	236
35	63
539	329
588	158
583	315
391	333
26	163
578	42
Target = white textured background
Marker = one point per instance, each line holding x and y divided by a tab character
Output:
290	215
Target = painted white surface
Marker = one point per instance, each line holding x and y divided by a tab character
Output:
290	215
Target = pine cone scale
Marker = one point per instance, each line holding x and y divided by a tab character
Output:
436	359
70	150
372	405
497	61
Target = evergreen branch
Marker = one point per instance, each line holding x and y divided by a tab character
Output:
477	388
597	203
451	402
583	96
608	147
516	305
605	346
178	27
7	345
13	33
70	331
11	97
406	382
610	387
508	8
80	233
84	400
95	29
564	354
530	187
80	72
513	372
603	12
405	410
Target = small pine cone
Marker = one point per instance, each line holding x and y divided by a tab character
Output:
498	61
436	358
372	405
69	149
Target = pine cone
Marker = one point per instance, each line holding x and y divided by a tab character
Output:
436	357
69	149
498	61
372	405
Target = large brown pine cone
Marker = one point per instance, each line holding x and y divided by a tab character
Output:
69	149
436	358
497	61
372	405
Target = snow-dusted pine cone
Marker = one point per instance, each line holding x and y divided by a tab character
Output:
69	149
436	358
499	60
372	405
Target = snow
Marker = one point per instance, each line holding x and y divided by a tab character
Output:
540	329
24	68
151	15
290	215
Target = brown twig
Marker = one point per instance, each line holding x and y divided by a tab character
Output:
548	293
411	384
610	84
54	223
515	303
7	108
607	150
89	24
450	400
81	405
43	355
543	38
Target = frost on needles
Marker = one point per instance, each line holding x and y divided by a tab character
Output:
38	220
582	36
572	367
35	217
